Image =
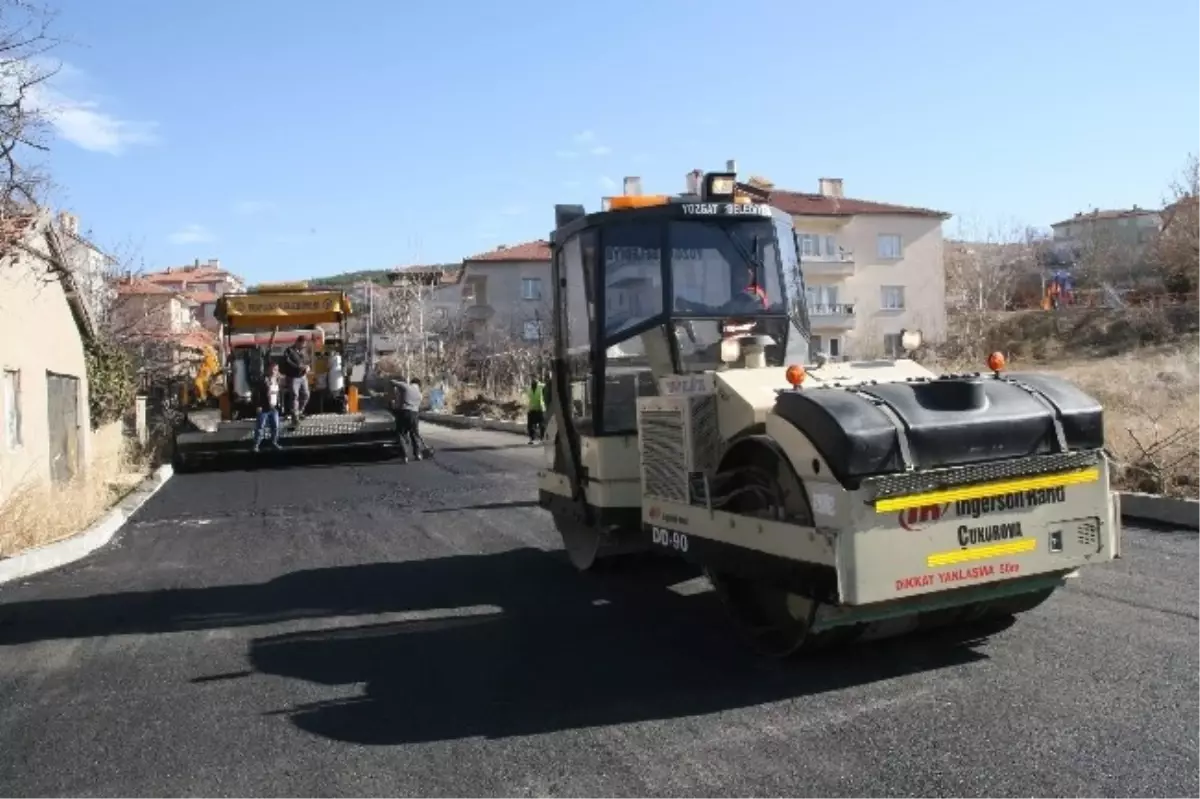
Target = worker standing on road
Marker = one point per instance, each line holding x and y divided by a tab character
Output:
535	413
295	368
266	400
406	406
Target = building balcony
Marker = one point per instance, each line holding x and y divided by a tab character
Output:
836	317
840	265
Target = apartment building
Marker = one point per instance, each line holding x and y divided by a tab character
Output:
505	291
1132	227
91	268
159	324
1113	243
202	284
872	269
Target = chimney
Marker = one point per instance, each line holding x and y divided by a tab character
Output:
68	222
831	187
633	185
731	165
693	181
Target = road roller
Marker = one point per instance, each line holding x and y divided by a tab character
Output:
826	500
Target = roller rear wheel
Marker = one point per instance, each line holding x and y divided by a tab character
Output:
588	547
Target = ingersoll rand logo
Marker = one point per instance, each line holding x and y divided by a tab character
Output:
919	518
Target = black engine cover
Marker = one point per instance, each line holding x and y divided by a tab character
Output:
948	421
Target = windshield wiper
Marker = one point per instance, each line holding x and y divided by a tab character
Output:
755	261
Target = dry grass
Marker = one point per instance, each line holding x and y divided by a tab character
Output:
36	514
1152	415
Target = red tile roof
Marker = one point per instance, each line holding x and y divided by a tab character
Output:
203	296
801	203
190	274
538	250
14	228
197	339
141	286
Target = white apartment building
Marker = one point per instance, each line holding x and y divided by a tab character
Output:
872	270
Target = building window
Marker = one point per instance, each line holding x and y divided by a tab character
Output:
533	330
531	288
891	298
890	247
12	408
891	345
814	245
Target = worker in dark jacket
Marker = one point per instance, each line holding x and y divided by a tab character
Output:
406	407
267	393
295	369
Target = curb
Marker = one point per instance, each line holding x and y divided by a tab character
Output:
471	422
1164	510
68	550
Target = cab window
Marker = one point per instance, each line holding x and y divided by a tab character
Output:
633	286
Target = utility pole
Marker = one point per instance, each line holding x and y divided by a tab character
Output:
370	328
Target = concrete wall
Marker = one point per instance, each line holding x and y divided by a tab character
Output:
37	334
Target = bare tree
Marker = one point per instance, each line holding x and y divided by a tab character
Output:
24	41
1176	254
989	269
401	312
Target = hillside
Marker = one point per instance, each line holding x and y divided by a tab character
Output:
377	276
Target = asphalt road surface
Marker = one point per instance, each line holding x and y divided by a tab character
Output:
373	628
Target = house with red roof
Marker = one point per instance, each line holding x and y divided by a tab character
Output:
202	283
505	291
160	325
872	269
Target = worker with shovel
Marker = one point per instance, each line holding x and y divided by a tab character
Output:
406	407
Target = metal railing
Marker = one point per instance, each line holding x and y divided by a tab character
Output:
831	309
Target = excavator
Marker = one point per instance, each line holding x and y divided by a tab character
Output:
826	502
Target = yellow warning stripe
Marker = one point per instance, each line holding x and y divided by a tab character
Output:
981	490
981	553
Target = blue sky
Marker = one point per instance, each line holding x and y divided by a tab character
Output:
294	139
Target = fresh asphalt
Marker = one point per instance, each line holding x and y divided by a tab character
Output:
367	627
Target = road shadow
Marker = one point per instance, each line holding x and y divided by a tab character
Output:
561	650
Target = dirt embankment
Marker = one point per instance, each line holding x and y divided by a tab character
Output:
1075	333
1141	364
